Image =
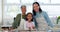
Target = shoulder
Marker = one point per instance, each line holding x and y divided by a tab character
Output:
33	22
44	12
18	14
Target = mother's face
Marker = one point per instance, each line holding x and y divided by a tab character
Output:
36	7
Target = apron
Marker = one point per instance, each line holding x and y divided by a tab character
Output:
21	26
42	24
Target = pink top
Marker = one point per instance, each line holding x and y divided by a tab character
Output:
30	24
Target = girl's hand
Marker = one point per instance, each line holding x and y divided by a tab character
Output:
33	27
29	28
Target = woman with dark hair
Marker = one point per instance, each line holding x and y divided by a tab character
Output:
41	18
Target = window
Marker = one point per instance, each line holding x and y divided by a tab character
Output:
27	1
29	8
44	1
55	1
12	8
12	1
10	12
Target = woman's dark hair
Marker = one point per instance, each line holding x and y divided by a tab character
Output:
27	15
40	10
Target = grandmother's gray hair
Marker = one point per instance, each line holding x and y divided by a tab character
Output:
23	6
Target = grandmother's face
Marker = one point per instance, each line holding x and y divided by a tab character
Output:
23	9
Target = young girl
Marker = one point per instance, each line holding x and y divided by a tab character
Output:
29	24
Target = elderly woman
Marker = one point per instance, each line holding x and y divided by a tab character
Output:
20	18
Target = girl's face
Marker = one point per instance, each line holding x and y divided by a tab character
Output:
36	7
29	17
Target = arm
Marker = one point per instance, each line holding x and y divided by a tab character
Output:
33	25
48	20
16	21
34	20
